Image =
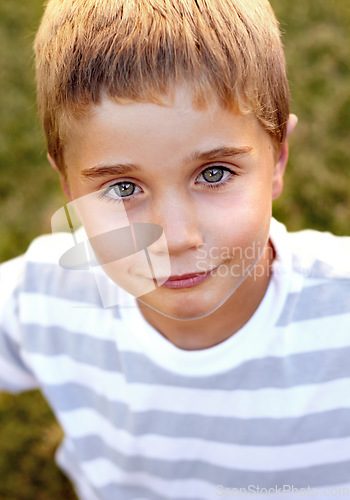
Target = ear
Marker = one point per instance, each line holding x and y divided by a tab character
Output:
62	179
277	181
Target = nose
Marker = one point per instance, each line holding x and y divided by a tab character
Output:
180	221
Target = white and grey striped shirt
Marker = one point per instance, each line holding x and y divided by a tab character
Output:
268	409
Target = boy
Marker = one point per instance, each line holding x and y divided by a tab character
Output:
227	374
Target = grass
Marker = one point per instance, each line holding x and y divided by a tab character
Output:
316	194
317	181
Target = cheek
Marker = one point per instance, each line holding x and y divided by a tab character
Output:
241	221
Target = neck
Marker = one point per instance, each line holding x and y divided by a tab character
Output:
221	324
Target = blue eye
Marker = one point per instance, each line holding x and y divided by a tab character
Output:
122	189
213	174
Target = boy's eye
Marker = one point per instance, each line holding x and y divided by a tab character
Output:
214	174
123	189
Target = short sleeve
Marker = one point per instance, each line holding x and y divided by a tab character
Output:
15	376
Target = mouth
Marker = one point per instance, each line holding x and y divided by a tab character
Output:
177	282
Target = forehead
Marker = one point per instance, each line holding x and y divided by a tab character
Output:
146	132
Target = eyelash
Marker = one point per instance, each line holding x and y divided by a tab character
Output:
221	183
211	185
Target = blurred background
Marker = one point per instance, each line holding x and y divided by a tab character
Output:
316	36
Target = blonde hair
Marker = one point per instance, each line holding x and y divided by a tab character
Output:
140	50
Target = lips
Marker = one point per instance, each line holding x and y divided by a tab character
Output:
186	276
177	282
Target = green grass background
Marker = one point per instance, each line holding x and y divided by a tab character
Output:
316	194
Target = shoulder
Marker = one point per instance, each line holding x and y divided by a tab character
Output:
49	247
316	274
38	271
321	255
316	254
43	250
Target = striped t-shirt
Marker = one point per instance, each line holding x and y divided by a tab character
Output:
265	412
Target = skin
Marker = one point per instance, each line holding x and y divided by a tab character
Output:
223	229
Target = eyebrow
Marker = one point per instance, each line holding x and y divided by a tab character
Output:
220	152
104	170
126	168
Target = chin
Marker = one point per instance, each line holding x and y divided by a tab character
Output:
181	309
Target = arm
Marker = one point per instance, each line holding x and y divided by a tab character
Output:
14	375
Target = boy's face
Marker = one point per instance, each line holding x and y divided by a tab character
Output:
206	177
